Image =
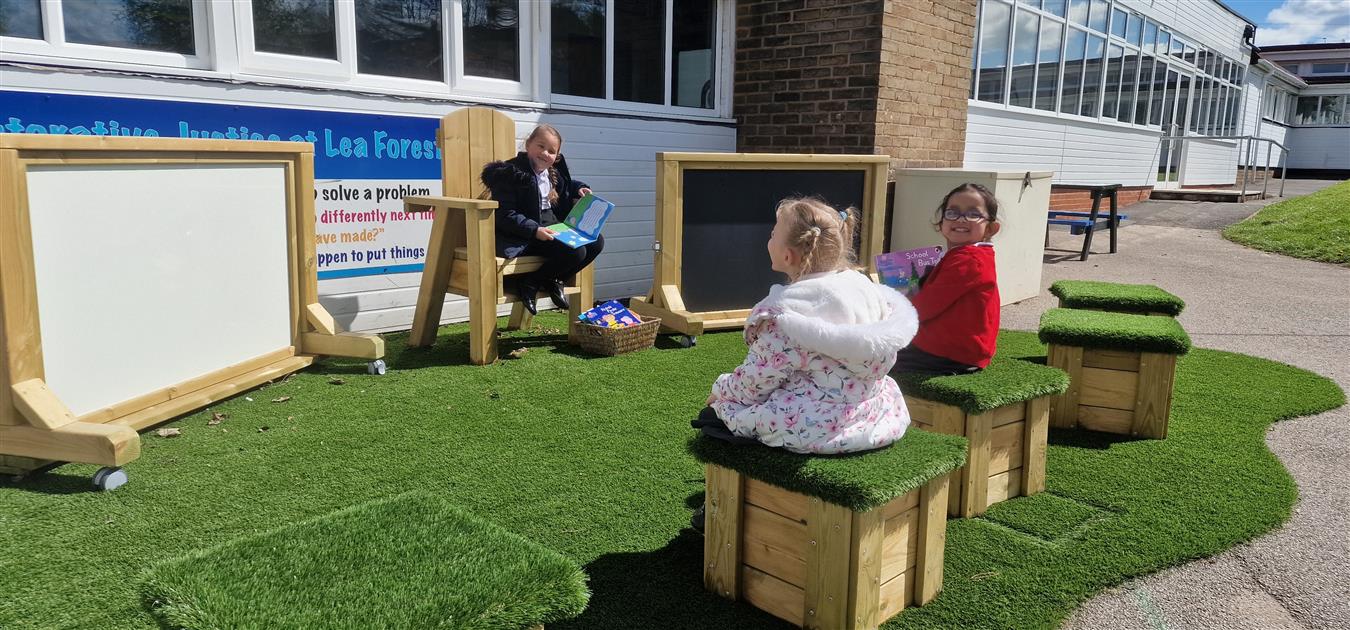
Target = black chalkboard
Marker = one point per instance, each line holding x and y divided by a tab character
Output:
728	215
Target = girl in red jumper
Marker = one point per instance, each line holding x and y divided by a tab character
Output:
958	301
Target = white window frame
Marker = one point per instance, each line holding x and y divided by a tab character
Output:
54	44
723	44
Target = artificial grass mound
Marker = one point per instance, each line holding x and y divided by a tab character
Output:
1116	296
413	561
859	481
1113	331
1003	382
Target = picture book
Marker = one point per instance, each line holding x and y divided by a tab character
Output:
611	314
904	270
583	223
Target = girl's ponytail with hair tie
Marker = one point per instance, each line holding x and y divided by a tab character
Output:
813	231
843	215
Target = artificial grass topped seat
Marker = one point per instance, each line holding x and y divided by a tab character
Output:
409	562
1116	296
1003	382
859	482
1113	331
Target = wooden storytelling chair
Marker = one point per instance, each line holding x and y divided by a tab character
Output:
461	255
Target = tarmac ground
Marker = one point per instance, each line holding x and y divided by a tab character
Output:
1265	305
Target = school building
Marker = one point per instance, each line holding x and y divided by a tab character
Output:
1088	89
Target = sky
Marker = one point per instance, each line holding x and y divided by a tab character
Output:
1296	21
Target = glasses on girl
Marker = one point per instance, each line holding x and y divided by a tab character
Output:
974	216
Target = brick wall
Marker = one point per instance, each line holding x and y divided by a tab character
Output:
806	75
924	82
1061	199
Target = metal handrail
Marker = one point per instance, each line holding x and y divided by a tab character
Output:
1246	164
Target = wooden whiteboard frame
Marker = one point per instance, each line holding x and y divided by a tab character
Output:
666	301
34	423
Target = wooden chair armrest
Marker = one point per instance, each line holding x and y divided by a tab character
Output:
446	203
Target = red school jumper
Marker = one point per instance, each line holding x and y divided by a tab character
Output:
958	306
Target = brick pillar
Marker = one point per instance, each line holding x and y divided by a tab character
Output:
806	75
926	53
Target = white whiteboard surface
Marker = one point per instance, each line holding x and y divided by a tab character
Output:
151	275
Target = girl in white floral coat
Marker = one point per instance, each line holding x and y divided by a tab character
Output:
815	379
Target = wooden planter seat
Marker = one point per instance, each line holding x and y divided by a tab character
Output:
1140	299
828	542
1004	412
1121	370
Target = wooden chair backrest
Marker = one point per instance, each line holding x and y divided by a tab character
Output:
470	138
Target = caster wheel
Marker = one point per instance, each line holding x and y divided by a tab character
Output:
109	478
688	341
376	367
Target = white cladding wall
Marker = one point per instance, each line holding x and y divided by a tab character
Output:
615	154
1319	147
1078	151
1209	162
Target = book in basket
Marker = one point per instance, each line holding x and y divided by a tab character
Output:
904	270
611	314
582	225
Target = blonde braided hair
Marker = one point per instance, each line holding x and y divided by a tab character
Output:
822	235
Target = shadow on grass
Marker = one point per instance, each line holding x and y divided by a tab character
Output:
660	589
1083	438
42	481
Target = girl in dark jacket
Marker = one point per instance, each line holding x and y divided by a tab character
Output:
534	190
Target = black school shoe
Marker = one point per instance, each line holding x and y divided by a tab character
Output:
700	515
527	293
555	292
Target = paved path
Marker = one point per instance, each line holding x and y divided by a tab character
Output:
1266	305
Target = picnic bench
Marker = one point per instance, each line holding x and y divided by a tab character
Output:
1086	223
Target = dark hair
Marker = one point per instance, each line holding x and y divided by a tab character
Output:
545	128
990	202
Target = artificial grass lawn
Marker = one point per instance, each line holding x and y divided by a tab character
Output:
859	481
587	457
1312	227
1004	382
1116	296
1113	331
408	562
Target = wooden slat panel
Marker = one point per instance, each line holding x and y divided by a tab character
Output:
1005	447
932	541
774	530
1004	486
1105	419
828	530
1034	445
457	173
772	558
20	337
900	504
722	531
503	136
1109	388
485	287
100	444
481	146
921	411
897	594
772	595
785	503
179	405
865	569
1111	359
1064	408
1153	400
974	481
1008	414
900	544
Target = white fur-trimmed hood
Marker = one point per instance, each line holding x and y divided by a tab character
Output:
841	315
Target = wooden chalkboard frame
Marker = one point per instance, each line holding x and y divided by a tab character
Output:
34	423
666	301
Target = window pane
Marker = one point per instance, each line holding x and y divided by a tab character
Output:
1092	77
1145	93
1073	71
295	27
1097	17
1111	98
1215	107
1078	11
1118	19
1047	74
993	51
492	39
1128	84
1177	47
1150	36
1133	28
579	47
1331	110
1156	105
1328	68
692	83
639	51
1183	104
1164	42
1054	6
1189	57
1306	111
160	25
1169	103
20	18
399	38
1024	59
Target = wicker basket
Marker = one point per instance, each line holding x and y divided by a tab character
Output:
611	341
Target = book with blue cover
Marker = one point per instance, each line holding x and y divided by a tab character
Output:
582	225
611	314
